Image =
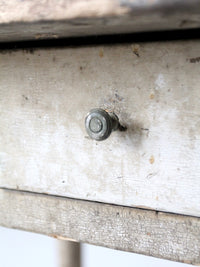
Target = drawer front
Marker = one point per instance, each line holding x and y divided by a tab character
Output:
153	88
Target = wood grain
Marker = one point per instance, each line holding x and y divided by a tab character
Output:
33	20
167	236
152	87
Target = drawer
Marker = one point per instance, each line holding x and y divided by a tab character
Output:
153	88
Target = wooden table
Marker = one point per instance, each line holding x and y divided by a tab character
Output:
137	191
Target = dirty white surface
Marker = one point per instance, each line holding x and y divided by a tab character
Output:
153	88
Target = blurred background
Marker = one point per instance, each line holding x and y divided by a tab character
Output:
25	249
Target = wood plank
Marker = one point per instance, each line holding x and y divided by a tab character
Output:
33	20
152	87
157	234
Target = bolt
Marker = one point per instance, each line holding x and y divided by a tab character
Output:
99	124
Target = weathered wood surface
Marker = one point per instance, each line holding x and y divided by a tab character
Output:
27	20
152	87
168	236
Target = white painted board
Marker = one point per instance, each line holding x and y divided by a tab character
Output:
153	88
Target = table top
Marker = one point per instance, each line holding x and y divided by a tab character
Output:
35	20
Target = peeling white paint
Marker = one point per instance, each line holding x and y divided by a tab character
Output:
160	82
154	164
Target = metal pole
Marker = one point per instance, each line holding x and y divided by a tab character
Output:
69	254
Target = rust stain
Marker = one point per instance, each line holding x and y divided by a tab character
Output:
101	53
152	96
62	237
135	50
157	198
149	234
152	159
194	60
54	236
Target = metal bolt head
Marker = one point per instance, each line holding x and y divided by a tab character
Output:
95	125
98	124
